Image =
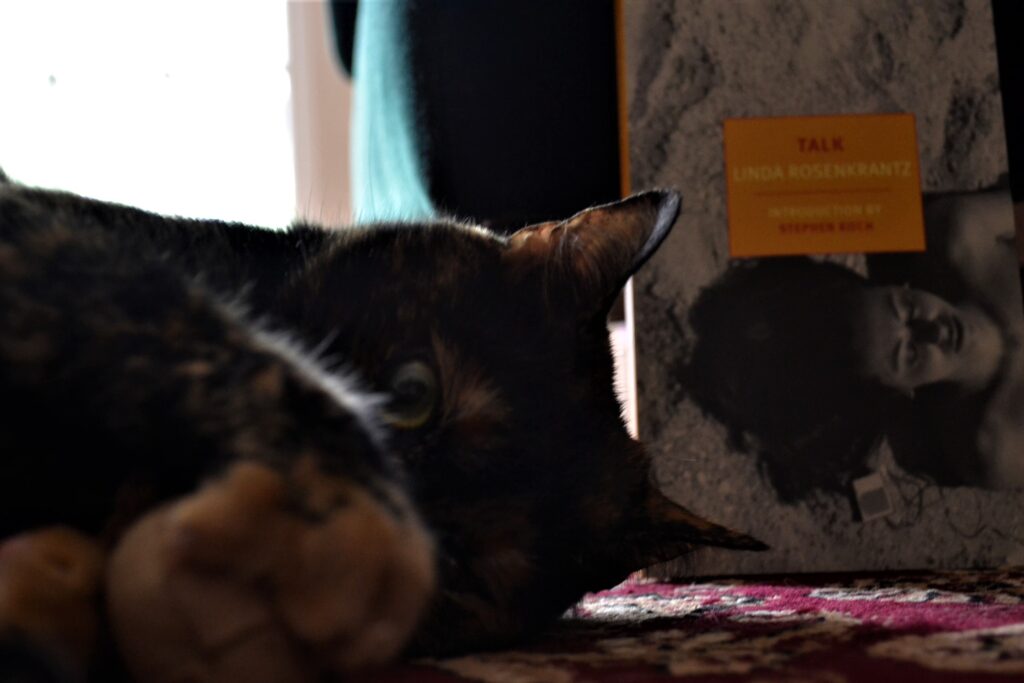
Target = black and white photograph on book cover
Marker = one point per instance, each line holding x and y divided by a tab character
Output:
854	411
809	357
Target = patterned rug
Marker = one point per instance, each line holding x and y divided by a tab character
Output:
956	626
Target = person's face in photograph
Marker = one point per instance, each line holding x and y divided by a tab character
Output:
910	338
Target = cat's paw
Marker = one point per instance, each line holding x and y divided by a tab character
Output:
50	581
261	576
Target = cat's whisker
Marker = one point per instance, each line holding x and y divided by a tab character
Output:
318	350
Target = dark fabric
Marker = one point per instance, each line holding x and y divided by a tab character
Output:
514	105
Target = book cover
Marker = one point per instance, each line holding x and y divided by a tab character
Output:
830	345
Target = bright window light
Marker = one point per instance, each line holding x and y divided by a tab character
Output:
177	107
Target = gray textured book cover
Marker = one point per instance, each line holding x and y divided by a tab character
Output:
867	419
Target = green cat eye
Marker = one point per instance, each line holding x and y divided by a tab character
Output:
413	396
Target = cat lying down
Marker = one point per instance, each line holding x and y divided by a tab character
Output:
256	456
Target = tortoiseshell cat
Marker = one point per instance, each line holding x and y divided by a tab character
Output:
379	421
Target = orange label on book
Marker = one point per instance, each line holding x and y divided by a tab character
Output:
823	185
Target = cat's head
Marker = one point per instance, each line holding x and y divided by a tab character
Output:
494	355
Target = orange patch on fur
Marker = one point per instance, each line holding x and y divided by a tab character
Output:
471	403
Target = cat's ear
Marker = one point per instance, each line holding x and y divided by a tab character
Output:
668	530
592	254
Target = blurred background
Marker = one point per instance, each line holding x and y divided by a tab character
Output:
499	112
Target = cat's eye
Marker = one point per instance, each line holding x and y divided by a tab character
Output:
413	394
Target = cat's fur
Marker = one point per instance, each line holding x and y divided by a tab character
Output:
141	355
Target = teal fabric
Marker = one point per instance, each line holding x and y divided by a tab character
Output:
388	180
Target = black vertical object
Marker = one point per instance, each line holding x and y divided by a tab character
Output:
1009	21
343	22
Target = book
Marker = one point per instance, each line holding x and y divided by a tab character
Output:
829	344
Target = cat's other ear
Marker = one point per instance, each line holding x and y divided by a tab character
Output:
667	530
592	254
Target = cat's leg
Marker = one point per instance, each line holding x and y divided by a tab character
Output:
254	579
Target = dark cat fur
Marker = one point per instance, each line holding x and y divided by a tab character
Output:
141	354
